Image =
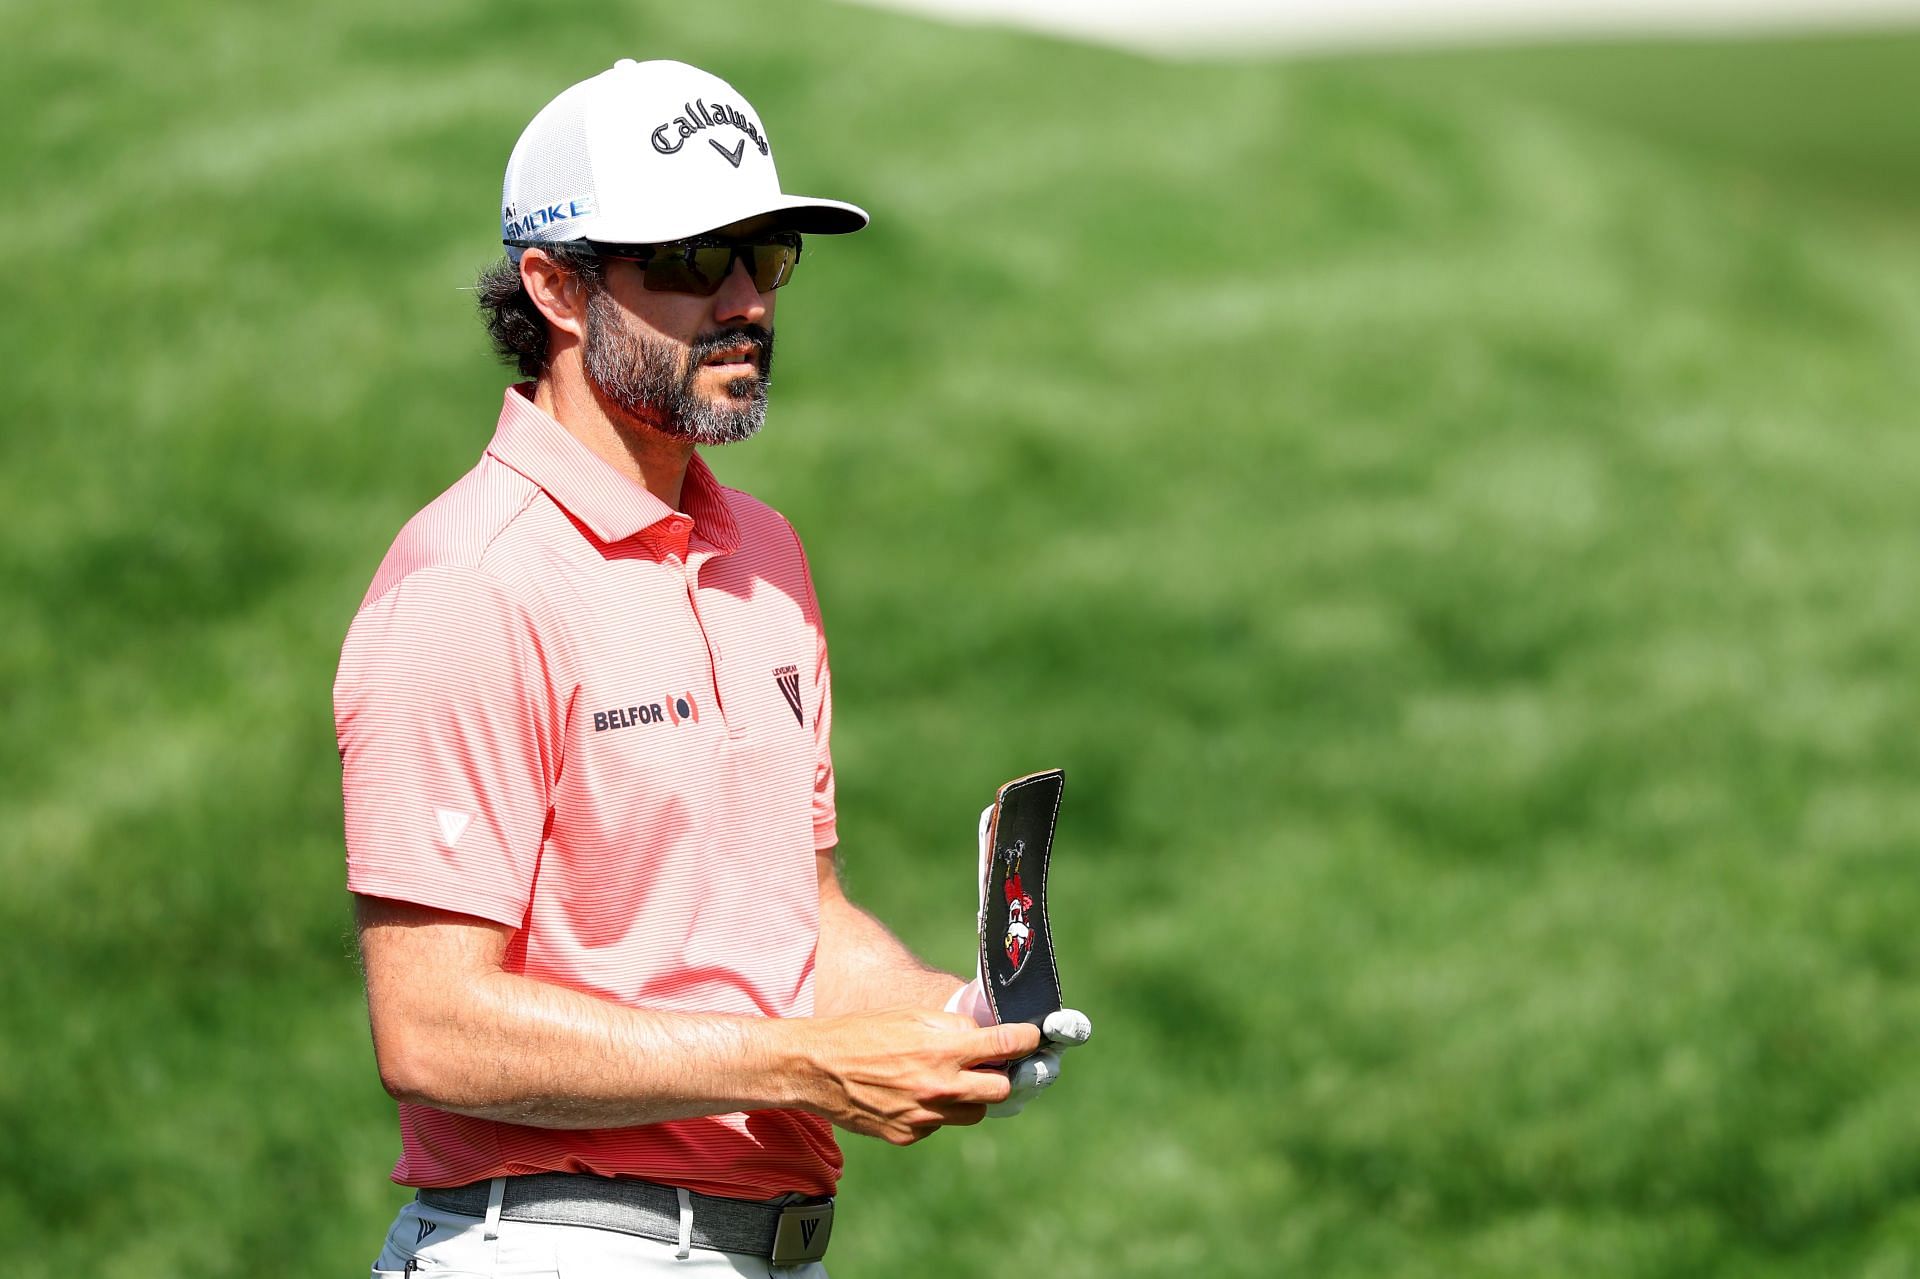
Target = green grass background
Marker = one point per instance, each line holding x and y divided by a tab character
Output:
1453	517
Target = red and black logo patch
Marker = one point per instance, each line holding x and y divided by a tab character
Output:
1019	938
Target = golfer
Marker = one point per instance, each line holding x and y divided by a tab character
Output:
583	717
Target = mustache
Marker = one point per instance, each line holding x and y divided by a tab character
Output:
759	337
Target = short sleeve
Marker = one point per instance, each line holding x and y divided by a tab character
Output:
825	832
447	726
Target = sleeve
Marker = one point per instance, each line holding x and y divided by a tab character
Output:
825	831
448	728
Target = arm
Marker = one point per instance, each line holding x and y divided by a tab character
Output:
861	966
451	1029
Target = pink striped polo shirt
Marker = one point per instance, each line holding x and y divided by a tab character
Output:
569	709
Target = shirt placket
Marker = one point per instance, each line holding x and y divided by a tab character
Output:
685	558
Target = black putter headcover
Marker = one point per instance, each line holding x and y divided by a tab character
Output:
1016	942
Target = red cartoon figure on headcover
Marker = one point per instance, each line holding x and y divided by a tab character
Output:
1019	937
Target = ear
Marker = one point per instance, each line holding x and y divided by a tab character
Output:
559	293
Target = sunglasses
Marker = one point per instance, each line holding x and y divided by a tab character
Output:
701	265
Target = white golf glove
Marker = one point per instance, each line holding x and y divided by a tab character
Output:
1063	1029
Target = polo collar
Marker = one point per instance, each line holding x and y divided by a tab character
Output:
530	441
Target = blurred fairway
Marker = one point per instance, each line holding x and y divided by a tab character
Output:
1453	517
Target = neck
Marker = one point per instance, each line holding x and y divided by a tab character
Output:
649	459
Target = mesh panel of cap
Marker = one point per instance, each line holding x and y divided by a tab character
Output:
550	170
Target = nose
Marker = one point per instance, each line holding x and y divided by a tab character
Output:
738	300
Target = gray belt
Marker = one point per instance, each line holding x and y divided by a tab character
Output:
784	1233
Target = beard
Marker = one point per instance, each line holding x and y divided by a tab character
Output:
651	379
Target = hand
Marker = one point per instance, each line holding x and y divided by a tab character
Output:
1064	1029
900	1075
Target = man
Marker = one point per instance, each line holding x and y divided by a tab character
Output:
583	717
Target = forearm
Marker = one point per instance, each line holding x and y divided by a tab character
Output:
861	966
505	1047
452	1028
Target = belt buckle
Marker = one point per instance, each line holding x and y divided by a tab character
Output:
802	1233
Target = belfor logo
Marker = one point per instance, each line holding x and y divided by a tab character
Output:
677	709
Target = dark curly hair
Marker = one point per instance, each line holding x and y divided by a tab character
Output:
518	330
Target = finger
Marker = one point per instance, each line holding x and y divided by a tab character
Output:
1012	1106
962	1114
1068	1027
1036	1074
930	1118
903	1130
980	1087
1030	1078
1002	1042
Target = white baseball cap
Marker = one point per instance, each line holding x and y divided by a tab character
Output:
649	152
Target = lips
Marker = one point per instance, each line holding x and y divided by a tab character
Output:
745	353
738	352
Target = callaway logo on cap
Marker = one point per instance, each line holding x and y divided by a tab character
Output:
649	152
